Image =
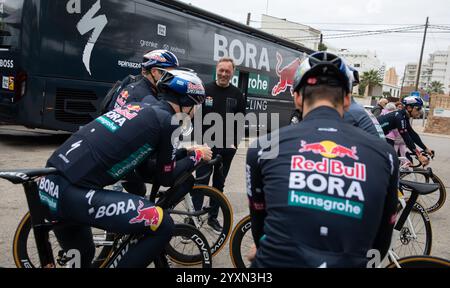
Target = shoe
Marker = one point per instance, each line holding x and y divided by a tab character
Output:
215	225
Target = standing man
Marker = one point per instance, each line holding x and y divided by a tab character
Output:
330	195
376	111
221	98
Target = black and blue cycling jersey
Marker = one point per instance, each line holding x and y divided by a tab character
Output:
102	152
363	119
135	92
326	197
400	120
107	149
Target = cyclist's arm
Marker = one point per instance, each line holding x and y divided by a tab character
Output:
404	129
383	239
168	169
255	195
416	138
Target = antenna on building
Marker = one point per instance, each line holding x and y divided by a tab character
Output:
267	7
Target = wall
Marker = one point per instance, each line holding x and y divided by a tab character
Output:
439	105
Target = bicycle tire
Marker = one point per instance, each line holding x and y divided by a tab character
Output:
184	232
26	256
431	202
241	231
423	261
404	242
215	241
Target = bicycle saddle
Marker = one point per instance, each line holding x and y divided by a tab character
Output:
25	175
420	188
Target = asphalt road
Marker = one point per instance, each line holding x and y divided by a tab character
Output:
22	148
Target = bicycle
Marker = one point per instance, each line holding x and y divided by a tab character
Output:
407	233
113	246
199	217
416	173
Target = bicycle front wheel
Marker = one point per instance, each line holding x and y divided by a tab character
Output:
216	239
26	255
241	242
420	262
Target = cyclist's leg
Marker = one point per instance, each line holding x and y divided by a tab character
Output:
120	213
220	176
77	237
197	200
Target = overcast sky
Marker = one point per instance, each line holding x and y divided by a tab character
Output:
394	49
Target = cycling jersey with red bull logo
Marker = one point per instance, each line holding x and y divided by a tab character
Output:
326	199
99	154
135	92
400	120
113	145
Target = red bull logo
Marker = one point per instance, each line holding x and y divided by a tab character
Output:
134	108
329	149
286	75
195	88
122	99
129	111
151	216
158	58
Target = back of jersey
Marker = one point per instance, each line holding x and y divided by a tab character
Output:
324	193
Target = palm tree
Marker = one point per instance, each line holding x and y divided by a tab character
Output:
435	87
370	79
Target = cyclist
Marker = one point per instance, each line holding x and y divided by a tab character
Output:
330	194
153	66
360	117
399	119
104	151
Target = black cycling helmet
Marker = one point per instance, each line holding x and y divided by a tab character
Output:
182	87
159	59
323	68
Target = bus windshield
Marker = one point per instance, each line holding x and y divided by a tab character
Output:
10	23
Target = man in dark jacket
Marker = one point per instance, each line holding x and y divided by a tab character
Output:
376	111
221	98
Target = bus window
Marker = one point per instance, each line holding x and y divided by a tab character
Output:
10	19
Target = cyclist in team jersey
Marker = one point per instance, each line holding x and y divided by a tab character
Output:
106	150
330	194
399	120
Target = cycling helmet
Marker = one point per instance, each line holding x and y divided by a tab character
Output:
182	87
323	68
413	101
160	59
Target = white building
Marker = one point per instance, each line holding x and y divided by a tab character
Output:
440	63
411	75
362	61
394	90
295	32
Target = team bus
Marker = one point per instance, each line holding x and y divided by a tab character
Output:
58	58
